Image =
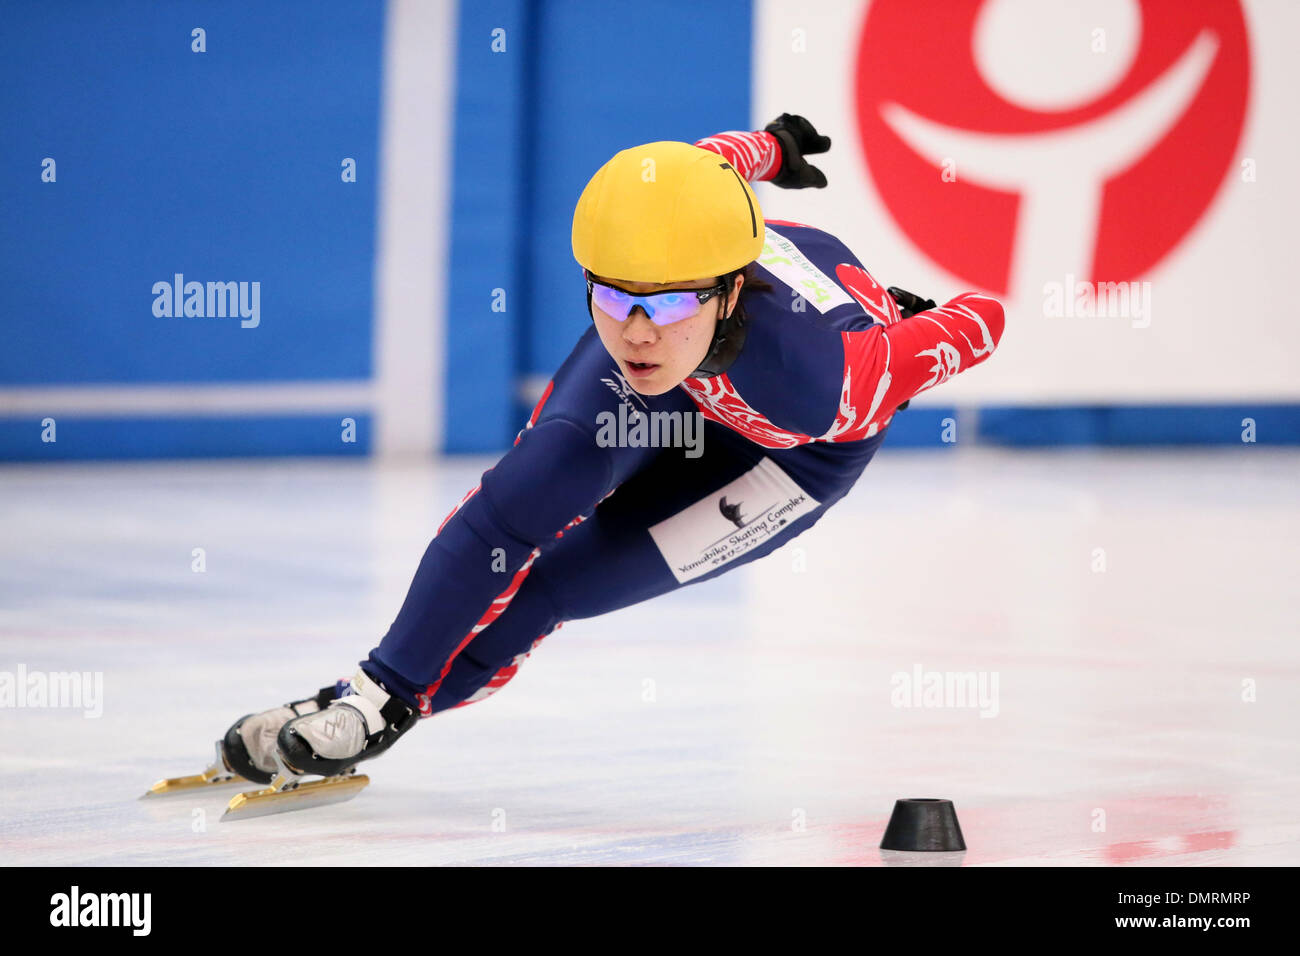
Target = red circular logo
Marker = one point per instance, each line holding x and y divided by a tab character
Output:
982	152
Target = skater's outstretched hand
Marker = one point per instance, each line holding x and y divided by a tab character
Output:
909	303
798	138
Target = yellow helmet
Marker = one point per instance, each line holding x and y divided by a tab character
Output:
666	212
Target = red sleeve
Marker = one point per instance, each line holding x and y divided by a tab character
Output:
756	156
890	363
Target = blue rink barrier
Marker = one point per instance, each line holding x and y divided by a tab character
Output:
81	439
1273	424
161	437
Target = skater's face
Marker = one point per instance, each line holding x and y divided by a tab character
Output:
656	358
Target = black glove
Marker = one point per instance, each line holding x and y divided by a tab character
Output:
909	303
797	138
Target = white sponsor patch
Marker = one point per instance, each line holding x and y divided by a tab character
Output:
731	522
782	258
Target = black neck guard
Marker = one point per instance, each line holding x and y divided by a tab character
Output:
728	339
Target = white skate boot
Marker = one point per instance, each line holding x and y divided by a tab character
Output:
361	723
249	744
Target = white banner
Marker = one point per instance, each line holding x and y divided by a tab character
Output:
1116	172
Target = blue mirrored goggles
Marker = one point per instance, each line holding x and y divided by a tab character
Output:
663	308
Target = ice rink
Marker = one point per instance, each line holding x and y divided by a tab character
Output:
1132	613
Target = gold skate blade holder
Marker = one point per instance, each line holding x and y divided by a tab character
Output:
287	792
217	775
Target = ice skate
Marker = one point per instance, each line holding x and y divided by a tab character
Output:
356	726
249	744
328	741
246	754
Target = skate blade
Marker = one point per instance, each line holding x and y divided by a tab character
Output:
318	793
217	775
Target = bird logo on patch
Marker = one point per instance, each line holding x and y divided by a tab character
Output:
731	512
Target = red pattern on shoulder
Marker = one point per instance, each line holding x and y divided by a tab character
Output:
871	295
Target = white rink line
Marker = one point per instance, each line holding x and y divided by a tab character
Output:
147	400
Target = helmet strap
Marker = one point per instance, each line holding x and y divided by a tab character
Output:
728	339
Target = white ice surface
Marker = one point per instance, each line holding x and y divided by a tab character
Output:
742	721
